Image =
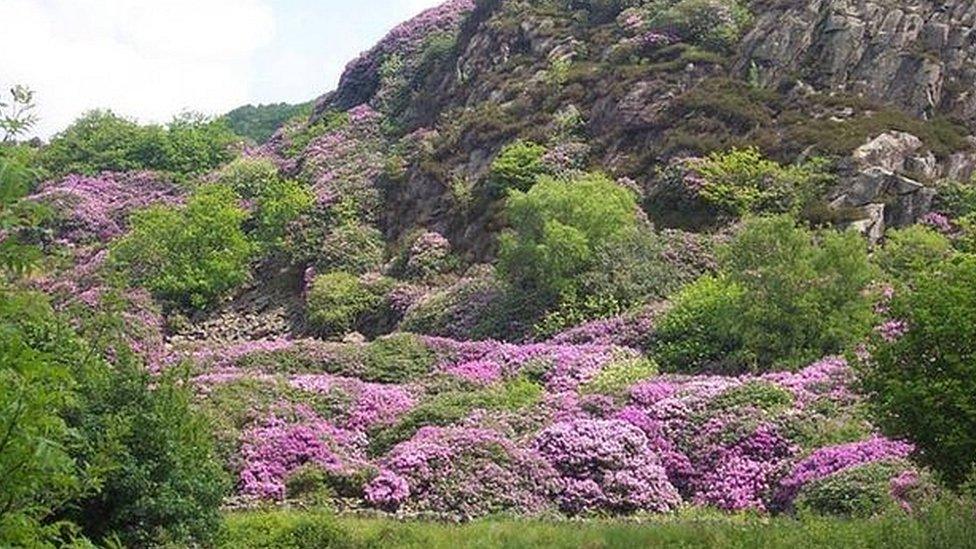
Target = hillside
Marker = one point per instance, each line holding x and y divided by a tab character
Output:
537	259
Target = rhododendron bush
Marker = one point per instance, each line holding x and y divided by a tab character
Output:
654	444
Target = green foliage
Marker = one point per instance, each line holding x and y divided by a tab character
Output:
337	301
517	166
696	333
785	297
910	252
301	135
277	202
191	255
558	226
37	472
282	530
16	115
743	181
162	481
101	141
861	492
803	293
397	358
17	216
619	375
921	385
351	246
258	123
957	198
452	406
715	24
759	394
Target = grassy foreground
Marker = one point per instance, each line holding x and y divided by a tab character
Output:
944	526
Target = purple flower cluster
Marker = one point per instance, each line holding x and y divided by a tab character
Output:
605	465
95	209
825	462
938	221
479	372
271	451
463	472
428	255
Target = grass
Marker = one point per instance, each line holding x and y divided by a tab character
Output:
945	525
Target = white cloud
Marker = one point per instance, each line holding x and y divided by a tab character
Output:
142	58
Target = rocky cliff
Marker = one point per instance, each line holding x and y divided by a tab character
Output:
609	86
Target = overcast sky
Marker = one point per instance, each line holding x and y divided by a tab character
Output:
150	59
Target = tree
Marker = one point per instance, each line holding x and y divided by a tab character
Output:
190	255
17	116
557	227
921	376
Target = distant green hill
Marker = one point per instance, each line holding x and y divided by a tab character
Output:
260	122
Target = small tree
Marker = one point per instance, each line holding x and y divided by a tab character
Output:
557	227
190	255
921	377
16	115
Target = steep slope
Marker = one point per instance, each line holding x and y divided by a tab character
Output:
626	91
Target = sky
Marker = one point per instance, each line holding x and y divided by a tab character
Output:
151	59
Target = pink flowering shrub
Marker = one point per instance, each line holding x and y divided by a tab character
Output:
277	447
96	209
605	465
461	472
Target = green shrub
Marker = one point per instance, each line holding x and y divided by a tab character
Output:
337	301
397	358
696	333
517	166
248	176
277	206
921	384
742	181
162	481
283	530
908	253
450	407
716	24
783	299
619	375
758	394
558	226
957	198
37	388
191	255
860	492
352	247
101	141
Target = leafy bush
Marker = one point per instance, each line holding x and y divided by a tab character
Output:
759	394
957	198
397	358
783	299
162	482
863	491
716	24
101	141
920	382
696	333
618	376
337	301
517	166
36	389
191	255
558	226
742	181
908	253
352	247
248	175
277	206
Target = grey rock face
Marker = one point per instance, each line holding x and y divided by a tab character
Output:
917	54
